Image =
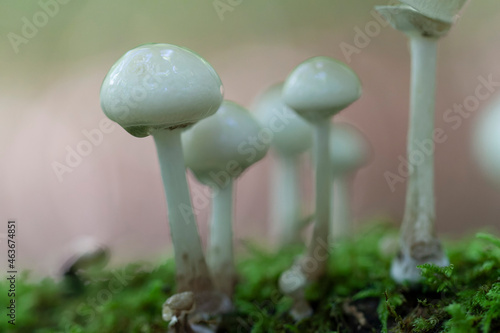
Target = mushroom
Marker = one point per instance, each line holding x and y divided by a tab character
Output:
425	22
213	152
292	136
348	152
318	89
176	310
159	90
487	142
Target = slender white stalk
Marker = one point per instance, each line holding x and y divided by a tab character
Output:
341	211
318	247
191	268
418	241
420	204
285	201
220	248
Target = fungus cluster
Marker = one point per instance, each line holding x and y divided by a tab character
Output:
178	100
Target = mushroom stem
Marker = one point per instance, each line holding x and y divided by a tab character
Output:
220	248
420	206
419	244
192	271
341	210
286	199
322	198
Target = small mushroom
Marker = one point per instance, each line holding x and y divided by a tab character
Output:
213	152
176	310
158	90
424	22
487	142
318	89
348	151
291	137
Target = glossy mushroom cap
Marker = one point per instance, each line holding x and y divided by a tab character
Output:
221	143
487	142
320	88
160	86
348	149
442	10
291	134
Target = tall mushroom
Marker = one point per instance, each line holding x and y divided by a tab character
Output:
317	89
158	90
348	152
214	152
424	22
292	136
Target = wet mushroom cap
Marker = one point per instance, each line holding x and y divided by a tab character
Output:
321	87
218	143
291	134
160	86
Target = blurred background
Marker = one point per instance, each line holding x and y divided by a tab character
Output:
55	54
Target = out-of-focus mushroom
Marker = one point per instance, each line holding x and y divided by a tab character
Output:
291	137
213	153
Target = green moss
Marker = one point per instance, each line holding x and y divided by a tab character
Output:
357	295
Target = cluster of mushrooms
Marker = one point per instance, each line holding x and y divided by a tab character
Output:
178	100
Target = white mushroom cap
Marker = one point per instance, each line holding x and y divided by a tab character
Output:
442	10
321	87
487	142
291	134
222	143
349	149
156	86
412	22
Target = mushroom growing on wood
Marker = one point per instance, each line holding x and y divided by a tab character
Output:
292	136
424	22
348	151
214	152
159	90
317	89
487	142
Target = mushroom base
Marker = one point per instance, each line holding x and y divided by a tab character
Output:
404	266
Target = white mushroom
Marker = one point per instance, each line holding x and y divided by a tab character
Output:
158	90
213	152
424	22
292	136
348	151
318	89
